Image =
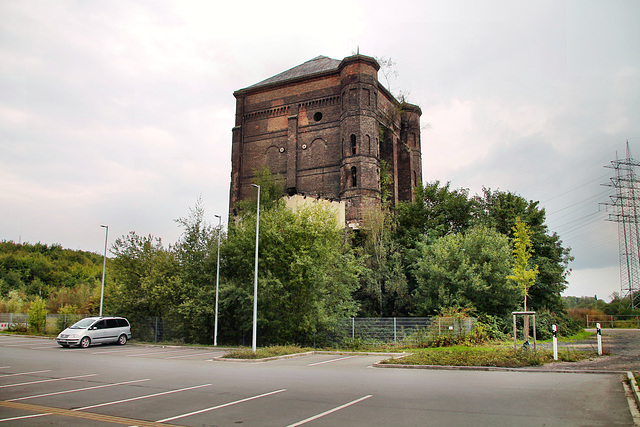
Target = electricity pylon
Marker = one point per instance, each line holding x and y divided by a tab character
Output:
626	212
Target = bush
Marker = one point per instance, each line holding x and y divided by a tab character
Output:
67	316
37	314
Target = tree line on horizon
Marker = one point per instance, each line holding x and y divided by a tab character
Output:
446	252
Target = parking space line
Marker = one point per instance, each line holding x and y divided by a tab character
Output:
141	397
221	406
191	355
331	411
24	373
77	389
70	413
332	360
114	351
48	381
18	345
155	352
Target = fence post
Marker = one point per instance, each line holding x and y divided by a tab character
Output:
394	332
439	327
587	321
155	332
611	321
353	329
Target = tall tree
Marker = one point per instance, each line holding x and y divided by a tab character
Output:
306	274
499	210
383	287
522	274
465	270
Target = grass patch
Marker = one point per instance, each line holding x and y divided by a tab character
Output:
265	352
485	356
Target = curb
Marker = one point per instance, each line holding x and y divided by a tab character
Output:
288	356
496	368
634	387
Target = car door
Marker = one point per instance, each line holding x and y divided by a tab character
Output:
98	331
112	331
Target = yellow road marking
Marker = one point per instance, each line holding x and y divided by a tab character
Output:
83	415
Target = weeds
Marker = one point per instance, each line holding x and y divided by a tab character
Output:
485	356
265	352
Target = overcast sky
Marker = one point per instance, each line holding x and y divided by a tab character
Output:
120	112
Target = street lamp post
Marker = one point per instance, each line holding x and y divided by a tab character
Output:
215	328
255	277
104	264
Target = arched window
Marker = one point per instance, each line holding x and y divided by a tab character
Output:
353	145
354	176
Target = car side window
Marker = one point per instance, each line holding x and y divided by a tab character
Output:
100	325
112	323
122	323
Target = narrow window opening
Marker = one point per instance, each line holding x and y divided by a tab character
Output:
354	176
353	145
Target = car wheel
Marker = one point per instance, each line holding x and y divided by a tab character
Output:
122	340
85	342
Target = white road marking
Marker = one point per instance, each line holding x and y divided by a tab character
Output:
155	352
191	355
77	389
115	351
49	380
141	397
24	373
315	417
221	406
332	360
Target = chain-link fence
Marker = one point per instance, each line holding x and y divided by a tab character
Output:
399	330
366	331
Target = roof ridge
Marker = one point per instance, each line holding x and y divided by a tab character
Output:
305	69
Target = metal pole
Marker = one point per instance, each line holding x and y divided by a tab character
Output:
599	332
255	277
587	321
395	336
555	342
215	327
104	264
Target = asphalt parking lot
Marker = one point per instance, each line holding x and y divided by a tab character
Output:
44	384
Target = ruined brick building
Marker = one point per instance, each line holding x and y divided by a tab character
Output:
326	128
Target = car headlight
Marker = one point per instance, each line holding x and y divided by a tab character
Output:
73	336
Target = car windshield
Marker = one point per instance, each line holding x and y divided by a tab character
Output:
84	323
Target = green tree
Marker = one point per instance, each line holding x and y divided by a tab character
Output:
436	212
306	274
383	287
146	275
499	210
196	252
522	274
465	270
38	314
15	303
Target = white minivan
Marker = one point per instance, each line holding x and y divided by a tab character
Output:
96	330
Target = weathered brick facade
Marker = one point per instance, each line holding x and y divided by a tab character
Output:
324	128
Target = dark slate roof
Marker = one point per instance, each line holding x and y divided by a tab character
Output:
316	65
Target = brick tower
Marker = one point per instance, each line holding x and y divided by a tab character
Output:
325	128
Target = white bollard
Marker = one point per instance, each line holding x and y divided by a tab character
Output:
555	342
599	339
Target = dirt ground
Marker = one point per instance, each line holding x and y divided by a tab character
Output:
621	348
